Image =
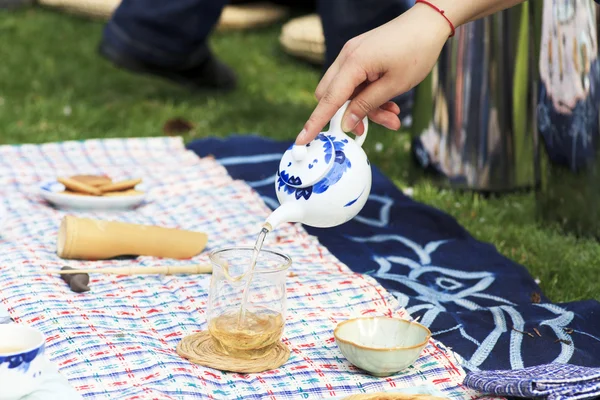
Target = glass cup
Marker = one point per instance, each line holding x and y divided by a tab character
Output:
251	329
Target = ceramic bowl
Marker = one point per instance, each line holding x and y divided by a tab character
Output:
52	192
382	346
22	361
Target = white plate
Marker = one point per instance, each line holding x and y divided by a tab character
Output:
51	191
54	387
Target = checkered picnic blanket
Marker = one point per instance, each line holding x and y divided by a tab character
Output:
119	339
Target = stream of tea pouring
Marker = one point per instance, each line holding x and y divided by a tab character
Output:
285	214
255	253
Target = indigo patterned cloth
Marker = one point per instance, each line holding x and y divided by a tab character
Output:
551	381
118	340
469	295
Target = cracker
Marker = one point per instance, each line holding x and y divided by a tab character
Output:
79	187
120	186
92	180
74	193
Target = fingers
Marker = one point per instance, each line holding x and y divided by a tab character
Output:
391	107
386	118
334	69
386	115
331	72
368	102
338	92
326	80
359	130
383	117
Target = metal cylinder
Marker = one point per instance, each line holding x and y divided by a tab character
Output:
472	117
567	115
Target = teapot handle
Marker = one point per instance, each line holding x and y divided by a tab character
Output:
336	123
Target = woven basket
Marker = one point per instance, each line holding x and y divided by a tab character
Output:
250	16
101	9
234	17
303	37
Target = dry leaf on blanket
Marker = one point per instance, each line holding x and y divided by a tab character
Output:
177	126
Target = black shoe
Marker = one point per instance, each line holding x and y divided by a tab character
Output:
9	4
208	74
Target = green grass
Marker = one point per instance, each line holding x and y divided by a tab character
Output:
49	66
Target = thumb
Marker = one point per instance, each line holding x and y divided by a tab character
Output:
369	99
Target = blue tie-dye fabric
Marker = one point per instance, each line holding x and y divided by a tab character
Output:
469	295
550	381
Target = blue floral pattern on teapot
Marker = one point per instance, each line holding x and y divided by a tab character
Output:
340	166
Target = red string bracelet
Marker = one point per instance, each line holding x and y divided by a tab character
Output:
436	8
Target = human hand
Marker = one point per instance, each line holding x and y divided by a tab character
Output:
375	67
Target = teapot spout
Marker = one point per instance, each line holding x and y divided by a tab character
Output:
287	212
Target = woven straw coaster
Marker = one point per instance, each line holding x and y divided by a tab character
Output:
199	349
233	17
303	37
391	396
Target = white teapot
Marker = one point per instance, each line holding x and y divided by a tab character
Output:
324	183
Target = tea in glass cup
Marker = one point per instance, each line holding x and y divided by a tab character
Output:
247	306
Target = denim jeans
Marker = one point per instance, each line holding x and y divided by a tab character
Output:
174	32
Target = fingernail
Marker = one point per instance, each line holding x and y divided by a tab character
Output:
301	136
350	122
390	127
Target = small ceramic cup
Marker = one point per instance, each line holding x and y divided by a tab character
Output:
21	360
382	346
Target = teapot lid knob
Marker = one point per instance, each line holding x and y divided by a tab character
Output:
303	166
299	153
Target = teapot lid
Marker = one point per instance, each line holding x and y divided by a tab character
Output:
303	166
